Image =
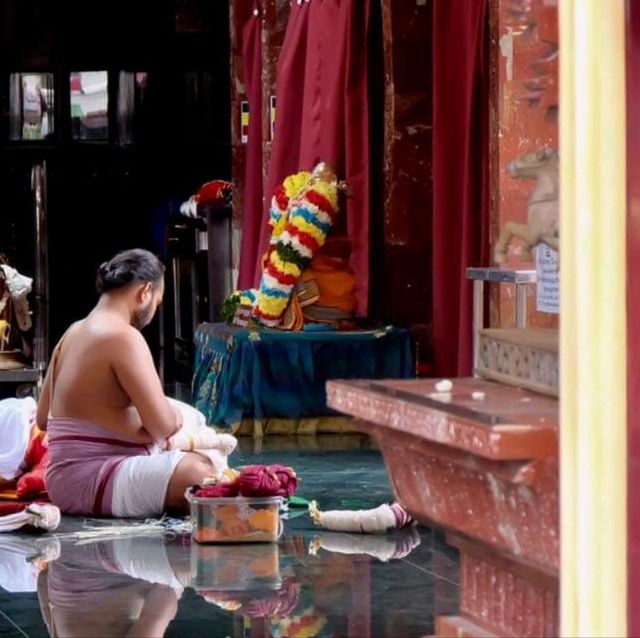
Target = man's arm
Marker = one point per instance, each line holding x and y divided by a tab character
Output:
42	413
44	400
133	365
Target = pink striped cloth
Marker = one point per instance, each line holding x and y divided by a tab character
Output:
83	459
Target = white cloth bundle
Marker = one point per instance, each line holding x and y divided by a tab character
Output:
16	420
373	521
3	300
190	207
196	436
19	286
41	515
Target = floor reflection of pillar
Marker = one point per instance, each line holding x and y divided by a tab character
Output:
500	597
360	617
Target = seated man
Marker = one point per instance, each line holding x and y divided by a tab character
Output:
104	408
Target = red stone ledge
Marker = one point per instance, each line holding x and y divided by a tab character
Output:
507	424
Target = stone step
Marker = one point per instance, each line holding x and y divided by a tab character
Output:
523	358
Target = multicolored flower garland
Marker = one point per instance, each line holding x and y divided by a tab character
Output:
303	210
278	213
299	231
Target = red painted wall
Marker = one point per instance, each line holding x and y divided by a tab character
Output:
525	118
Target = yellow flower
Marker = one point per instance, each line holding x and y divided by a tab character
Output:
329	191
311	630
295	183
285	267
272	305
279	226
305	226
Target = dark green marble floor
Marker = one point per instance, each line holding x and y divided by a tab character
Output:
310	584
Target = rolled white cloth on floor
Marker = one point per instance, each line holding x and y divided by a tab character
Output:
373	521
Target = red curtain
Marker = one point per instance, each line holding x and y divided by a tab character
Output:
633	311
253	194
323	115
460	174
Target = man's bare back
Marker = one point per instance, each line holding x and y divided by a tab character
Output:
86	382
102	371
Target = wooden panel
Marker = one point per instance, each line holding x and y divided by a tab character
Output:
402	268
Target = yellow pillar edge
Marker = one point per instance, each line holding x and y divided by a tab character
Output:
593	402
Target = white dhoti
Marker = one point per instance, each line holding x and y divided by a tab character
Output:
141	482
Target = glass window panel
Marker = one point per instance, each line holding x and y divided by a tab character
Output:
132	110
90	105
32	101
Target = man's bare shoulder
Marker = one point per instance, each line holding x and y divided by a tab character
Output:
115	336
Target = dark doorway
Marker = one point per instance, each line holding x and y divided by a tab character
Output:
137	118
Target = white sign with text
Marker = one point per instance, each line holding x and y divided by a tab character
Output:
548	293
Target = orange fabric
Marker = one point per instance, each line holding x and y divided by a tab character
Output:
335	280
8	491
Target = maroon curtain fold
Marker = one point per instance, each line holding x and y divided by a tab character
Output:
253	193
460	174
633	311
284	159
322	113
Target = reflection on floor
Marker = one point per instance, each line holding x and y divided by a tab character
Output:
310	584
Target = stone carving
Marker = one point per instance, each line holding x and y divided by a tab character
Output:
520	364
543	209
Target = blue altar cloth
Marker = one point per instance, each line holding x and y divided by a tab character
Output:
273	374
